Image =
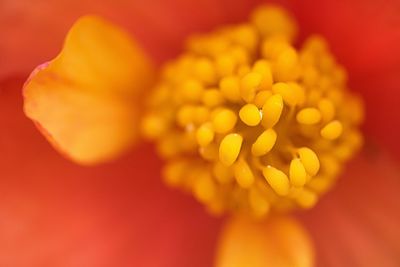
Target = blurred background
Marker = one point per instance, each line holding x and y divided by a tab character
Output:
54	213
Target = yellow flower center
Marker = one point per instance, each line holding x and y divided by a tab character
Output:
247	122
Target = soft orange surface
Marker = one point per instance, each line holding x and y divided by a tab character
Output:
278	242
86	101
54	212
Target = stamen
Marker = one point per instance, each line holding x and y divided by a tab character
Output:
243	174
224	120
309	116
332	130
205	134
229	149
250	115
247	122
310	160
264	143
277	179
272	110
297	173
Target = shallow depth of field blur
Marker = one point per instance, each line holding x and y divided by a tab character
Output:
56	213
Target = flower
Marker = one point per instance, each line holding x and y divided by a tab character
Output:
363	165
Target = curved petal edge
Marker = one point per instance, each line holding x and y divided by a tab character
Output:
87	100
278	241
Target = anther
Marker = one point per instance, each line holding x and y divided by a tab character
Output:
222	173
205	134
192	90
264	69
225	64
332	130
272	110
245	36
250	115
212	98
204	70
286	66
297	173
261	97
230	88
186	115
247	122
308	116
277	179
327	109
229	148
224	120
243	174
153	126
264	143
272	21
204	187
310	160
306	199
250	84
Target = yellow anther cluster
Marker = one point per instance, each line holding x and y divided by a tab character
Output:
247	122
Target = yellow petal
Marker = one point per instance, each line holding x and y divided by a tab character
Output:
86	101
276	242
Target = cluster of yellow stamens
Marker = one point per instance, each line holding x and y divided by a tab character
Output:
249	123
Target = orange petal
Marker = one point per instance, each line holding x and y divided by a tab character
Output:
357	224
278	242
159	25
363	39
55	213
84	100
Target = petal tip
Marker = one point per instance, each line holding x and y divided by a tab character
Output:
85	101
279	241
